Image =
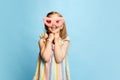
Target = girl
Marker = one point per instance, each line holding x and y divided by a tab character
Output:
52	62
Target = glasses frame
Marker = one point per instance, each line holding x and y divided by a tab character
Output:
56	21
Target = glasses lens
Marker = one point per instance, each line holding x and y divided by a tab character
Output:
48	21
57	21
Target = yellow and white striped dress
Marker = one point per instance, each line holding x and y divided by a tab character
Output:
52	70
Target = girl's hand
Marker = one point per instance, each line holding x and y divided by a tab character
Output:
56	35
51	36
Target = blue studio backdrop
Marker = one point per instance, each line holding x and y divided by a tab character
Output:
93	27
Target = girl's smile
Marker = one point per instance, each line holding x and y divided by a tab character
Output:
54	29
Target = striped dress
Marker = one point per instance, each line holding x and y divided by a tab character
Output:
52	70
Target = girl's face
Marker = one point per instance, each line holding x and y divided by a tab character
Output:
54	23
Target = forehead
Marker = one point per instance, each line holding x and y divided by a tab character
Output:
54	16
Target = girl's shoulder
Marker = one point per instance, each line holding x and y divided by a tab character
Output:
43	37
66	38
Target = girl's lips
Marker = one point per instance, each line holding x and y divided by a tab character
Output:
53	28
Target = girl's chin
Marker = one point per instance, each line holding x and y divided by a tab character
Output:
54	32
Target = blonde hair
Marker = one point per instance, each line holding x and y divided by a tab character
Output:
63	31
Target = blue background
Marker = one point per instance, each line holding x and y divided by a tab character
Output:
93	27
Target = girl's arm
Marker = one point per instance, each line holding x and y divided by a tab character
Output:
45	49
60	51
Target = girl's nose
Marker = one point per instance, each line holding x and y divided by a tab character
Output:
53	24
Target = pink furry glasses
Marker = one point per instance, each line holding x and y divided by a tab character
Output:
56	21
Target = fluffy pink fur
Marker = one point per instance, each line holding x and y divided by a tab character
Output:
57	21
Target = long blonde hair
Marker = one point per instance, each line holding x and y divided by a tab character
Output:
63	31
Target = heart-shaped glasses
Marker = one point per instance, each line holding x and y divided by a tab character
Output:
56	21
